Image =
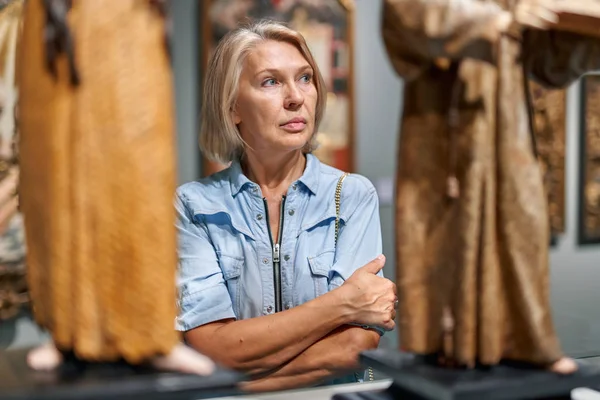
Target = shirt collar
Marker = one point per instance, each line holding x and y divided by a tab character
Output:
310	177
237	179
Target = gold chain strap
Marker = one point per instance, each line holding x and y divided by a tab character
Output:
338	201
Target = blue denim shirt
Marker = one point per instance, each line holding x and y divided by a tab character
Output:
226	253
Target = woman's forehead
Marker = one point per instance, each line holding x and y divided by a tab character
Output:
275	56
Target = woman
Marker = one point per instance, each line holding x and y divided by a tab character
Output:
264	286
470	200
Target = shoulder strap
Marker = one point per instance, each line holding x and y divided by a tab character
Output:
338	199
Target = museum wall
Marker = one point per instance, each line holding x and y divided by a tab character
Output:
575	279
378	105
575	269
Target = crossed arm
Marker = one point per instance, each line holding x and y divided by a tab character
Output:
288	349
334	355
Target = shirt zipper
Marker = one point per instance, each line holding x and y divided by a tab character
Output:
275	247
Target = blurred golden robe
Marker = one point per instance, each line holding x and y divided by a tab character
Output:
484	254
97	181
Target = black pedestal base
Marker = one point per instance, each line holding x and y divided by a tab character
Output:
84	381
414	378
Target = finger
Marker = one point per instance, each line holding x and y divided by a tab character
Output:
393	315
389	326
374	266
394	289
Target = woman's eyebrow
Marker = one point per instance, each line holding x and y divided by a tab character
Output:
275	71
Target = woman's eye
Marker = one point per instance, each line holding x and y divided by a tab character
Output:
306	78
269	82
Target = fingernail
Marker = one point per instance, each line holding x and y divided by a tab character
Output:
380	257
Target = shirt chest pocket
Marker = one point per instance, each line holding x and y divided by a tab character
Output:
231	268
320	269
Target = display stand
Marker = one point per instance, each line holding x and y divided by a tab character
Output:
417	379
83	381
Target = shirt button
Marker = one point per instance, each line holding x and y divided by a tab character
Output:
288	306
265	260
259	217
254	189
291	212
295	186
286	257
270	309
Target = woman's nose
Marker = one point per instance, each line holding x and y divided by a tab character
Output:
294	97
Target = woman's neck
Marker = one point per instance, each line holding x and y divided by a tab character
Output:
274	175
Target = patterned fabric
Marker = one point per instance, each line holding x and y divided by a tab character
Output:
13	288
473	267
97	178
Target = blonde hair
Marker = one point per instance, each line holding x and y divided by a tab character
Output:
220	139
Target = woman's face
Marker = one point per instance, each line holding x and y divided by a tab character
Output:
275	107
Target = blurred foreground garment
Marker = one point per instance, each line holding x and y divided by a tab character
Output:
472	225
98	177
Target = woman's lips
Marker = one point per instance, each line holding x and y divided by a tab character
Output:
294	127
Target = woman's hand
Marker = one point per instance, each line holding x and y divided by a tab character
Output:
370	298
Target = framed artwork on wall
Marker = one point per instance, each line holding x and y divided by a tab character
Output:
549	113
328	27
589	161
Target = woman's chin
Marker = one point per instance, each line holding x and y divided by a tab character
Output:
291	143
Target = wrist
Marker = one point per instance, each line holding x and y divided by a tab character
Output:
339	302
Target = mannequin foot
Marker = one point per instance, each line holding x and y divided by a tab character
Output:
564	366
44	358
186	360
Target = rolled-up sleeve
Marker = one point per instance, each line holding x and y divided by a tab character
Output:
359	239
203	295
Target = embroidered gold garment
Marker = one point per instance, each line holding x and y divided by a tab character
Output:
484	254
97	181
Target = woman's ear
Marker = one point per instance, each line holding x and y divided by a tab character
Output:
235	117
